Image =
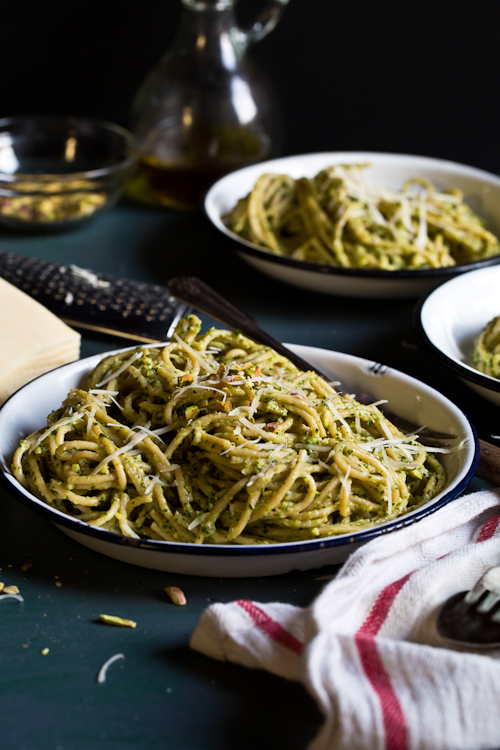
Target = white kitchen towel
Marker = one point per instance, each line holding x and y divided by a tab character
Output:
367	648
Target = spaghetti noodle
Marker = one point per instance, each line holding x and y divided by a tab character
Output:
215	439
486	355
339	218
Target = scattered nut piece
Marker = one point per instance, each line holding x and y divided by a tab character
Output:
191	411
223	406
112	620
24	645
44	651
26	566
176	595
58	583
10	590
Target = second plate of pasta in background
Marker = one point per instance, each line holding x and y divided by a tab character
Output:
66	464
460	324
333	228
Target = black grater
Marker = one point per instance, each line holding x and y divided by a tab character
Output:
90	300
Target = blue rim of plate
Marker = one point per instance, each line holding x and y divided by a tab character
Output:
186	548
463	372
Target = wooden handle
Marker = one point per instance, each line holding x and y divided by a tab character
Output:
488	467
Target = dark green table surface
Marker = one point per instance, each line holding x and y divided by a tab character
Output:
164	695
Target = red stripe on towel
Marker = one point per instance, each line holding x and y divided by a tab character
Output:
488	528
380	609
271	628
394	720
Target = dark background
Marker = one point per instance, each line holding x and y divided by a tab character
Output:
413	77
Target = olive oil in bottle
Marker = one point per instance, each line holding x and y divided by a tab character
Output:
206	110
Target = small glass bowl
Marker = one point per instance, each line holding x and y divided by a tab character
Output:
58	172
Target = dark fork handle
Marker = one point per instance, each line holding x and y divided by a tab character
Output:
197	294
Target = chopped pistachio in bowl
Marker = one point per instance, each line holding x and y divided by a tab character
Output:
56	172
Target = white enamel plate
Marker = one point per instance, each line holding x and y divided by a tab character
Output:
452	317
481	190
27	410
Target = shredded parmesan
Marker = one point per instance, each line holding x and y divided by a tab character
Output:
313	447
370	445
203	387
199	519
338	416
90	418
203	362
101	675
421	239
255	404
90	277
344	478
60	423
153	433
121	369
241	445
118	452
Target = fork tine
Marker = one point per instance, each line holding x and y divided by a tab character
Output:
476	593
490	582
488	602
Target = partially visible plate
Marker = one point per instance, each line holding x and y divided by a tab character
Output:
451	318
481	190
27	410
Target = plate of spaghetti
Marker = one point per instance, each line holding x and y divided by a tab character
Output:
214	455
465	337
360	224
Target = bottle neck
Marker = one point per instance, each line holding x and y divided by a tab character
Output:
209	34
201	5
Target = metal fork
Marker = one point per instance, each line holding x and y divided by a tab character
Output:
472	618
488	584
199	295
